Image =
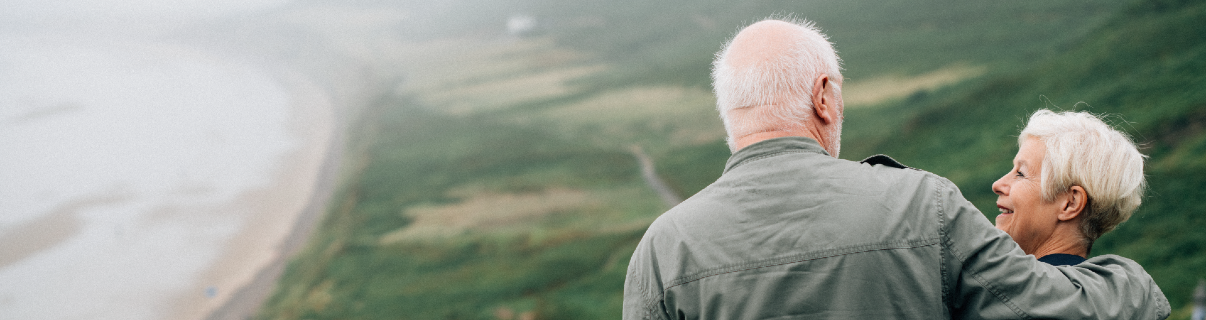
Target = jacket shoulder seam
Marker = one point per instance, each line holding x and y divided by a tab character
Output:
942	234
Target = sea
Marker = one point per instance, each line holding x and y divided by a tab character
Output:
123	157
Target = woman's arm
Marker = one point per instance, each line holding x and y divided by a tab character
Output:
989	277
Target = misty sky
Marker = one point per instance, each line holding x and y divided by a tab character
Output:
40	11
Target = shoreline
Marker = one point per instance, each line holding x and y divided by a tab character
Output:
263	226
287	212
217	249
325	89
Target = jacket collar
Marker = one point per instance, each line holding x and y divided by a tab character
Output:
773	147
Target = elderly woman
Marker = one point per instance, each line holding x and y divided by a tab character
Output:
1074	178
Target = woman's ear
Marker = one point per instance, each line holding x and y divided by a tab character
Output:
1075	201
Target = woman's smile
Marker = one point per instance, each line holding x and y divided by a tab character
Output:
1025	216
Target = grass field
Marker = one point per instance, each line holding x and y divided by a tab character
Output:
495	181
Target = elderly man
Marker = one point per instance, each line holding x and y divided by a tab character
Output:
791	232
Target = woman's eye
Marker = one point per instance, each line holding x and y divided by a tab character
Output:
1020	175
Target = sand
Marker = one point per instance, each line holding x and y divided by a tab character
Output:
281	219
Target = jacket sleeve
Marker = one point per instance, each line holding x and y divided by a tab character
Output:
987	276
642	286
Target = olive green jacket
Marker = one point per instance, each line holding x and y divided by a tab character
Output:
789	232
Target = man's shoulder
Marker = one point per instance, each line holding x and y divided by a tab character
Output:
885	168
889	166
884	160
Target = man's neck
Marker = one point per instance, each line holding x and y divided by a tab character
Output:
746	140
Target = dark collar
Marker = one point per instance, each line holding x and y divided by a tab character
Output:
1062	259
883	160
773	147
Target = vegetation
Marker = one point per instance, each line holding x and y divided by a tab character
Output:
1143	68
497	182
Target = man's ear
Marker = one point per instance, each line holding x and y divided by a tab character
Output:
822	100
1074	203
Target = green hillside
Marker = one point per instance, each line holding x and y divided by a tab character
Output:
498	181
1145	69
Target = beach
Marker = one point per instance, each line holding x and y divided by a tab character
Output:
286	214
152	180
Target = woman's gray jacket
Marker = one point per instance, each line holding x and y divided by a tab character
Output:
789	232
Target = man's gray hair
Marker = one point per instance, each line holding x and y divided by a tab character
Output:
787	79
1082	150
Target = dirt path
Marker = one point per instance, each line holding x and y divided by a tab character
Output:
650	175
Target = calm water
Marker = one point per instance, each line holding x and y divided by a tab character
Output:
120	158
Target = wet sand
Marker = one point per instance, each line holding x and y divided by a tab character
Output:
282	215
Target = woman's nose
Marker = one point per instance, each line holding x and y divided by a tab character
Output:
999	187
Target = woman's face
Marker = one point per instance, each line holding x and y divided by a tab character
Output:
1024	215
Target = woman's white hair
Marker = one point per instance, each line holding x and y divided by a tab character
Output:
786	79
1081	150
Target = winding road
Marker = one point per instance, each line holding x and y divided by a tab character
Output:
650	175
